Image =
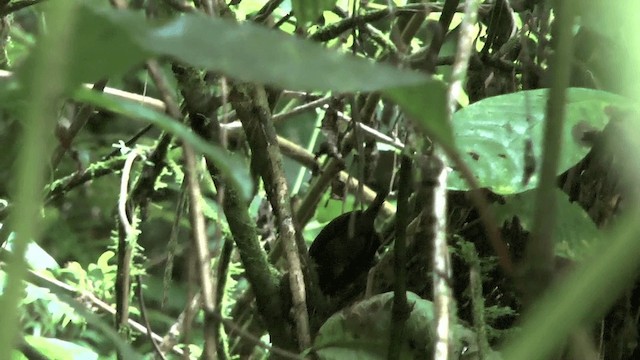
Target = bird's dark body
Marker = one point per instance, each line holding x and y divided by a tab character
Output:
346	247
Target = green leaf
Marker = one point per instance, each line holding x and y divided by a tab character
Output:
575	233
492	135
255	54
231	165
242	51
60	349
310	10
37	258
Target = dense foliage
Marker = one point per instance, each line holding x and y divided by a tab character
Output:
167	164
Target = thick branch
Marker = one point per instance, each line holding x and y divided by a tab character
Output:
261	275
252	107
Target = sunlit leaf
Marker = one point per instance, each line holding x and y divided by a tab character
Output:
60	349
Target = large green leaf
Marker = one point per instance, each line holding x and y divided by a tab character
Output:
108	42
231	165
252	53
575	233
492	135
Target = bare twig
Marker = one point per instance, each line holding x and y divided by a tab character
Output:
14	6
78	122
125	247
202	248
207	279
124	193
470	254
443	301
145	319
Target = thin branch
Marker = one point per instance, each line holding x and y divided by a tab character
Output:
336	29
14	6
94	171
202	248
400	310
57	286
207	279
268	8
122	198
78	122
470	254
145	319
443	301
125	247
223	274
314	194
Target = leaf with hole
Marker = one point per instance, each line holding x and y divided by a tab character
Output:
500	138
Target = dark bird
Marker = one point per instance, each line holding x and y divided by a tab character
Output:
345	248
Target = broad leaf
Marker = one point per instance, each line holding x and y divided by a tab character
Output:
492	135
255	54
60	349
108	42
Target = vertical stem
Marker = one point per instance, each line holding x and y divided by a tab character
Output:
539	253
441	260
400	310
45	82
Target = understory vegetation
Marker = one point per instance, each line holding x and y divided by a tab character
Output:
166	166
